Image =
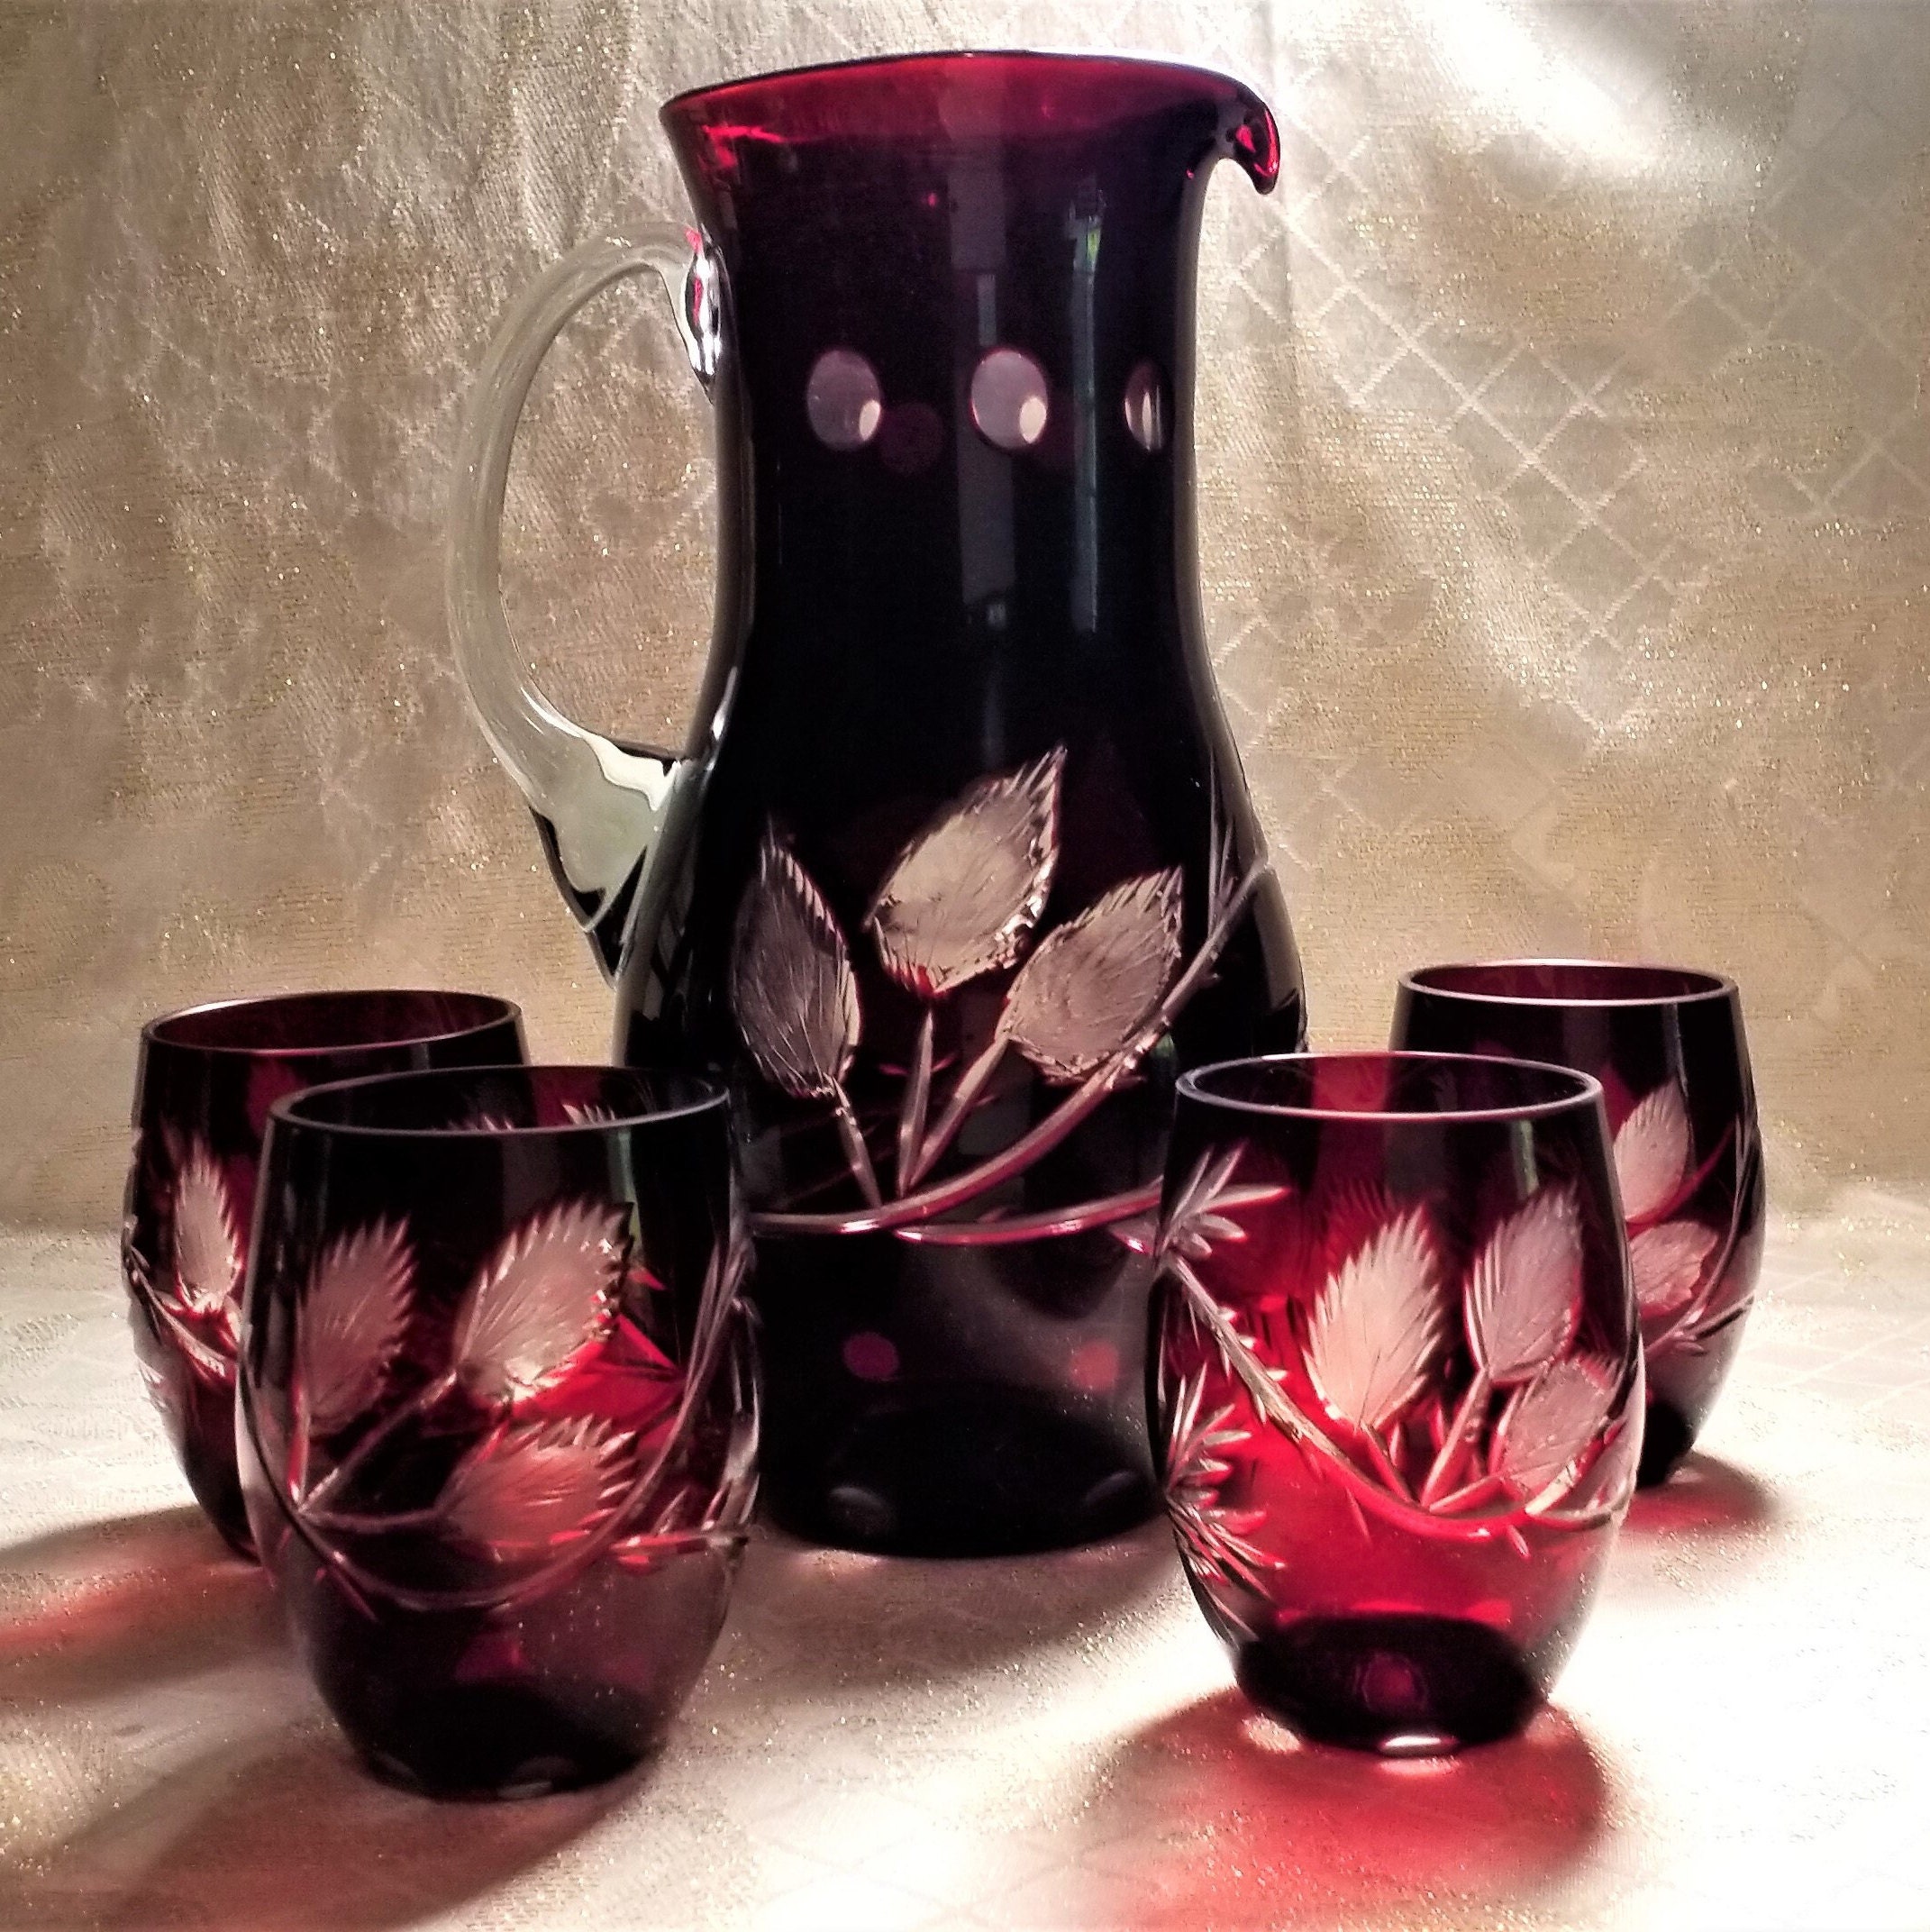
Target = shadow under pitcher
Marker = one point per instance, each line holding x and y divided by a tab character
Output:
957	871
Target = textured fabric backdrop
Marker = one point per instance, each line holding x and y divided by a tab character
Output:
1566	502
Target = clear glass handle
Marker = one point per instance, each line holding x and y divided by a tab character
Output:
598	804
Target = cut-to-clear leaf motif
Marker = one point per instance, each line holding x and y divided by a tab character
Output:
1200	1213
524	1487
1611	1478
1213	1535
1668	1261
1092	980
629	1382
542	1300
207	1245
1524	1295
1378	1324
792	987
1521	1308
588	1114
351	1323
1652	1152
1551	1422
962	896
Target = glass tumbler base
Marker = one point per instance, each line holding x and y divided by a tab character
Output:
1400	1685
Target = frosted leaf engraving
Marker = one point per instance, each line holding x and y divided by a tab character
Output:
1551	1422
352	1320
1668	1261
961	900
1523	1297
795	997
1651	1152
962	896
1374	1345
1213	1535
1610	1481
1200	1215
525	1486
1675	1262
544	1299
1091	980
586	1450
792	987
1521	1308
207	1246
1378	1326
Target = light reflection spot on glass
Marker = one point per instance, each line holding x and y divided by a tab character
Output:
1008	399
843	400
871	1356
1145	406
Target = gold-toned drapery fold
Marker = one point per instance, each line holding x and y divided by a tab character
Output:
1565	502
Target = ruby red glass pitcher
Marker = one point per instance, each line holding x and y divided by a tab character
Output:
957	871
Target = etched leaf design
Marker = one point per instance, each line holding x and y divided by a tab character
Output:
1667	1262
1092	980
1550	1422
1201	1210
523	1487
962	896
1610	1481
1214	1537
1523	1294
352	1319
1652	1152
543	1298
1378	1324
628	1381
792	987
207	1247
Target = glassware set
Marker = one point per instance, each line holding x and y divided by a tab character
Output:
489	1406
964	1126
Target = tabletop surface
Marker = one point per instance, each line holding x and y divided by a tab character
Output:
1742	1737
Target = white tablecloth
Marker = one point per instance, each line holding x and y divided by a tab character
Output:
1742	1740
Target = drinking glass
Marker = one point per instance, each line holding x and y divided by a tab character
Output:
203	1088
498	1412
1667	1046
1396	1385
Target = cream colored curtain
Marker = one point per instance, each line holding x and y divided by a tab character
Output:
1564	461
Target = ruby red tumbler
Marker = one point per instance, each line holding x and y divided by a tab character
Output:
207	1080
1396	1385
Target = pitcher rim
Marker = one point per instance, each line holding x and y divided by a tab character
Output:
1066	57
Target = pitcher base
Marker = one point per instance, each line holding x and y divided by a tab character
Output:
975	1474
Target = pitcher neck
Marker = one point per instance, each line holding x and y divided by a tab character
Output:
962	289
